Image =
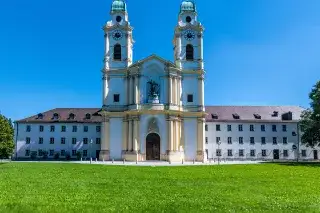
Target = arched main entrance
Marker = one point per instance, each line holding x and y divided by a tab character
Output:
153	147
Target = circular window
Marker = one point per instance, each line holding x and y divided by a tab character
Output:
118	18
188	19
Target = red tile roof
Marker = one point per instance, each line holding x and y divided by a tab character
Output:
223	113
247	113
64	116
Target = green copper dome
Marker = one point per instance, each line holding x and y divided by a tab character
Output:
118	5
188	6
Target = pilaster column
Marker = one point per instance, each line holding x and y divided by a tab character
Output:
170	89
179	92
174	90
136	89
201	90
177	141
130	123
182	132
105	89
125	135
105	138
170	134
130	90
201	142
136	135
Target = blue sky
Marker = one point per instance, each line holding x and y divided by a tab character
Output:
257	52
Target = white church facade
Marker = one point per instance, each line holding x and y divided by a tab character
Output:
154	109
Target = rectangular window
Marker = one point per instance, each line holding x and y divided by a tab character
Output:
85	153
98	128
98	140
251	140
41	128
229	128
229	152
63	153
28	128
218	152
264	153
116	98
63	128
218	139
52	128
263	128
274	128
263	140
28	140
240	140
190	98
40	153
252	153
85	140
206	140
304	153
27	154
229	140
240	127
40	140
85	128
251	128
284	128
74	152
241	152
51	152
74	128
51	140
218	127
206	128
74	140
274	141
285	140
285	153
63	140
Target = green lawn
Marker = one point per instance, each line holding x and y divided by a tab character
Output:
45	187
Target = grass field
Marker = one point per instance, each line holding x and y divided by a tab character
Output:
45	187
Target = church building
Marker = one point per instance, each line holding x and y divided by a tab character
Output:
153	109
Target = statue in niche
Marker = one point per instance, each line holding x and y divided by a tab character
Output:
153	96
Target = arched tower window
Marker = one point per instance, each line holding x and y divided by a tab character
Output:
117	52
189	52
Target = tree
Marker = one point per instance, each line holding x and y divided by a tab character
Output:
310	119
6	137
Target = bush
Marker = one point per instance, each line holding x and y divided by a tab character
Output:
33	155
78	155
45	155
57	156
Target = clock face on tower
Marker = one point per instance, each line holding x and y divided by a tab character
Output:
189	35
117	35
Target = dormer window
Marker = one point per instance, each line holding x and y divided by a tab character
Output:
40	116
275	114
71	116
287	116
214	116
88	116
236	116
257	116
55	116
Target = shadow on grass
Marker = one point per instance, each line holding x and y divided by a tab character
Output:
307	164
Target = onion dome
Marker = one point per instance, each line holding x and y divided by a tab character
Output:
188	6
118	6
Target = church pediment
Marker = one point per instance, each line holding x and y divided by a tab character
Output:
153	58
